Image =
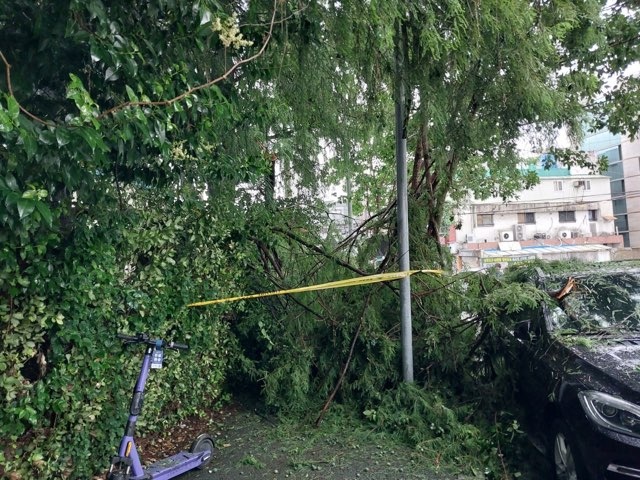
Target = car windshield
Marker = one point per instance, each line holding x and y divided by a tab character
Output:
598	302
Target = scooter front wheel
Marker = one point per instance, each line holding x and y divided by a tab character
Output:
204	443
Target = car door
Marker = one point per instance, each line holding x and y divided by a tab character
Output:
537	365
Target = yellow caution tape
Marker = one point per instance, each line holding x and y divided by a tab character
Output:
351	282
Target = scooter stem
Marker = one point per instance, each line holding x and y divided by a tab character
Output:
127	445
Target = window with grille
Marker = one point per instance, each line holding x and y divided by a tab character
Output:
527	217
484	219
567	216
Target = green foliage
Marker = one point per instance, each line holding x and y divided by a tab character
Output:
455	411
111	220
127	190
76	406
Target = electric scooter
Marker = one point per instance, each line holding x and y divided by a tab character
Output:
127	465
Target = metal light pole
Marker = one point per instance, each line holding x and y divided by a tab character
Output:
347	156
402	206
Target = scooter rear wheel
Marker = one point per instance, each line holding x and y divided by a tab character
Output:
204	443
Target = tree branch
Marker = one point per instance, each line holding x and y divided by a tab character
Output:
157	103
345	367
321	251
7	67
224	76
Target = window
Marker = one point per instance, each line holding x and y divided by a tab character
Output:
527	217
612	155
593	215
485	219
567	216
615	171
622	223
617	186
583	184
557	185
619	206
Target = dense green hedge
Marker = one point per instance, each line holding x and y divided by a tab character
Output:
65	380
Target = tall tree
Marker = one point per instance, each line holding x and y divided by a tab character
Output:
483	74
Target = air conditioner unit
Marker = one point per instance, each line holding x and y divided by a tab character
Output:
578	183
506	236
520	232
564	234
575	234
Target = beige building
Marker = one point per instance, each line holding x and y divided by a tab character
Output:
623	155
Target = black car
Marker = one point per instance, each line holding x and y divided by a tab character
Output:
579	362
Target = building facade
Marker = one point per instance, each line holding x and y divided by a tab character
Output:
569	214
623	157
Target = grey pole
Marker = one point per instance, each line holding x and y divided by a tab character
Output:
347	156
402	206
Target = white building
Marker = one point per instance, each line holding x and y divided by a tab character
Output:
569	214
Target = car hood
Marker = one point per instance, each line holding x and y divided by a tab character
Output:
617	358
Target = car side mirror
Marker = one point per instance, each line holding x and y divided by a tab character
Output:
522	330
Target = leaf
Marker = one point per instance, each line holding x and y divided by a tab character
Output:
12	198
111	75
25	207
161	131
75	88
13	107
62	136
45	212
30	144
93	139
46	137
131	94
11	182
31	194
6	124
206	17
96	9
131	66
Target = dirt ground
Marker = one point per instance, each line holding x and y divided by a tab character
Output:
254	446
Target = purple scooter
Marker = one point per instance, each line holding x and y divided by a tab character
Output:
126	465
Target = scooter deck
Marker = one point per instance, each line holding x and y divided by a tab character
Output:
174	465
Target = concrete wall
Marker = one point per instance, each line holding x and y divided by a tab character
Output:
627	254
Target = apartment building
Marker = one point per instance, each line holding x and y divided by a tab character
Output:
569	214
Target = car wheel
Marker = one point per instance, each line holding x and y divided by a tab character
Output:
563	455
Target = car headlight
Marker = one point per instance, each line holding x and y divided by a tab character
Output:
611	412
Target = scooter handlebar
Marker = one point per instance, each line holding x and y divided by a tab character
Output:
146	339
129	338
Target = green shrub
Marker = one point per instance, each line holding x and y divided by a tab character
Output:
65	379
